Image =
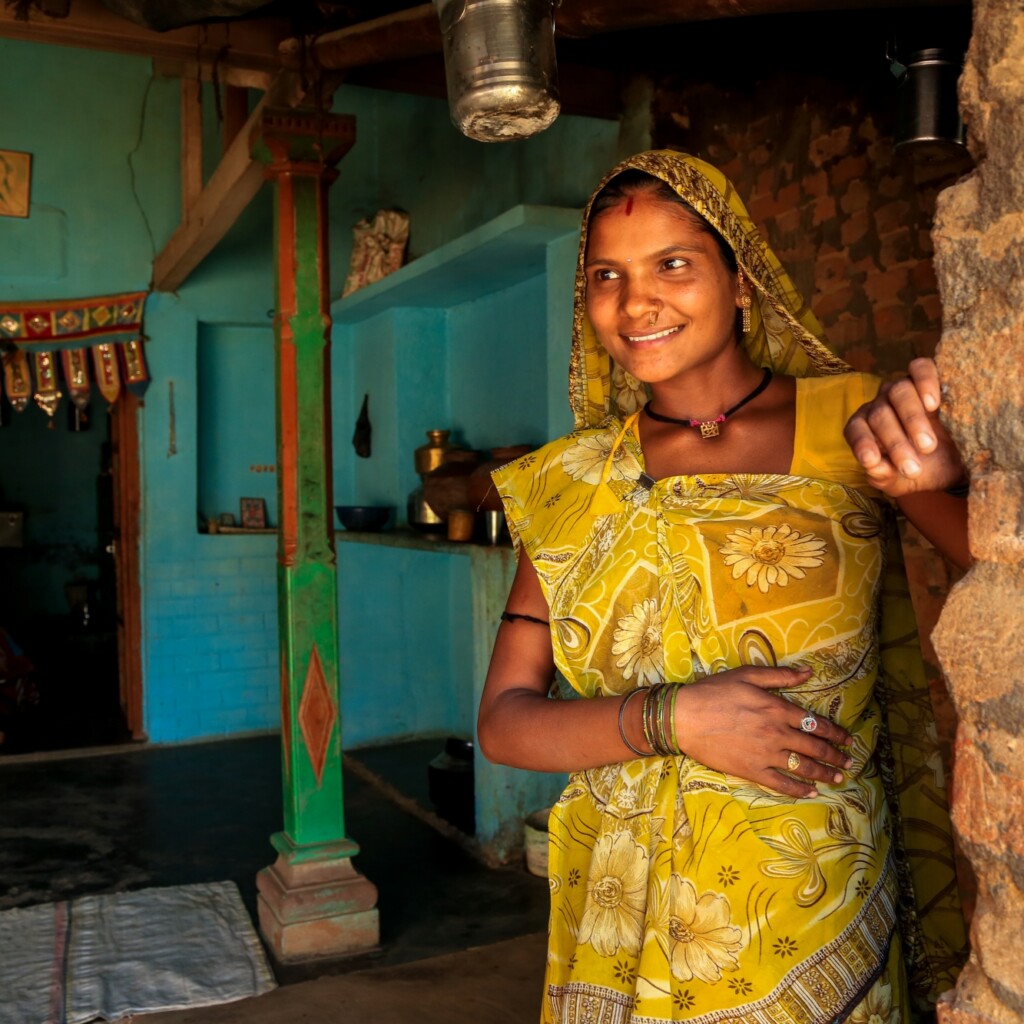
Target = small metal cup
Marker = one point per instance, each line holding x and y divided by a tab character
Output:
494	523
460	524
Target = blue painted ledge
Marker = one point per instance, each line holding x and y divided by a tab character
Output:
504	251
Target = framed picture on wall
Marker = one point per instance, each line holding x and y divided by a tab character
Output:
254	514
15	177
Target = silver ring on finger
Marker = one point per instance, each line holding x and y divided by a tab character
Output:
808	723
793	762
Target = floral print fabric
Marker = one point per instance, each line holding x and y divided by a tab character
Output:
680	893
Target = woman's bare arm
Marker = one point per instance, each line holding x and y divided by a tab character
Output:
907	454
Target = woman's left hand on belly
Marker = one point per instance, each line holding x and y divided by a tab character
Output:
732	723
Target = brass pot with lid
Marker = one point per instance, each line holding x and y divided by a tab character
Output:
431	455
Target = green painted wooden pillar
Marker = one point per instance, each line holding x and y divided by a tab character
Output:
312	901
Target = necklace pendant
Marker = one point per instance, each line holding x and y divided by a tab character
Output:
709	428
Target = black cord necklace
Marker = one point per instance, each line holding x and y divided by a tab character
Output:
709	428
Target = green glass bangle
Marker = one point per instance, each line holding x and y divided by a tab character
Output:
663	699
672	720
645	716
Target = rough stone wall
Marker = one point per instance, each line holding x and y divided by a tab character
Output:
979	238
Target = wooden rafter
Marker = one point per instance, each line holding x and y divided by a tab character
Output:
208	217
250	43
416	31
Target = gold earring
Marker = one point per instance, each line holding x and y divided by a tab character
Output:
745	303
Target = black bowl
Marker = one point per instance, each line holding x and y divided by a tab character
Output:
368	518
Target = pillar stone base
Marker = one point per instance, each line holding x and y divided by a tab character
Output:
317	907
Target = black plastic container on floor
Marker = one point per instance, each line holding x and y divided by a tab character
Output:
450	784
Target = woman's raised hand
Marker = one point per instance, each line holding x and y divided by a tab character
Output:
733	724
898	437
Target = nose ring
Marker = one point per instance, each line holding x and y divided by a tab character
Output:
652	317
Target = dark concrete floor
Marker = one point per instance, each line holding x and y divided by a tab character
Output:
496	984
156	816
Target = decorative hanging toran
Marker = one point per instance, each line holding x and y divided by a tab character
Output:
37	338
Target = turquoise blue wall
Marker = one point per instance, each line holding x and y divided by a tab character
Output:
95	178
106	196
237	457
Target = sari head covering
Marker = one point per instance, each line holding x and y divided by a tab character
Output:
784	335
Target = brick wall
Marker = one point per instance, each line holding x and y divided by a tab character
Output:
849	218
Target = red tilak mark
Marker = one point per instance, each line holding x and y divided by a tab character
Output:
629	206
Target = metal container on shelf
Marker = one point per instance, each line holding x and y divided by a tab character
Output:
499	58
421	516
447	487
431	455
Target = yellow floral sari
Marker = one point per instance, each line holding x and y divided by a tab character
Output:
680	893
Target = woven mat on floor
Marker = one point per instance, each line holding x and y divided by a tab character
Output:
110	956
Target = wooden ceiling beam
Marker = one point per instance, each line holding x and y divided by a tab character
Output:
225	74
416	31
582	18
413	32
210	215
250	43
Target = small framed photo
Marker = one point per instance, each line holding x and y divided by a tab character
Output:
254	514
15	178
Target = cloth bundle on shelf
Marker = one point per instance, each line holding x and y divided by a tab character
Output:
378	248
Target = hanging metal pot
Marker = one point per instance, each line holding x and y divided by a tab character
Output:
499	58
927	113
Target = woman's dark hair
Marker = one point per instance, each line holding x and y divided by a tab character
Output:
631	182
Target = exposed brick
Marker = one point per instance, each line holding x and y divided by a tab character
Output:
831	271
880	152
848	169
788	221
931	306
890	321
847	332
863	265
816	184
855	227
823	209
829	146
867	130
892	216
883	287
861	357
719	154
897	247
856	197
891	185
803	252
832	303
922	276
765	183
789	196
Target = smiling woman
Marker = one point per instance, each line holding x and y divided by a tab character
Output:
747	767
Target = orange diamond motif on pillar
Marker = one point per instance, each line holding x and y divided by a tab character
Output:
317	714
